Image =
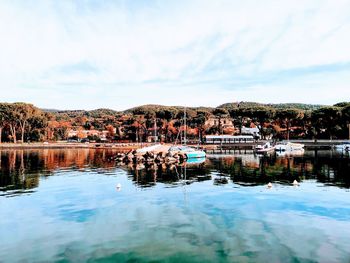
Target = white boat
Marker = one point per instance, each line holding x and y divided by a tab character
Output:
267	147
189	152
151	148
288	146
345	147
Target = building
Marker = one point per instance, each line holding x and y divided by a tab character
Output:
224	122
253	131
228	139
83	134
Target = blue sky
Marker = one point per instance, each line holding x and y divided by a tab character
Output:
119	54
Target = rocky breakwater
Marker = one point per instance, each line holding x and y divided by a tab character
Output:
149	157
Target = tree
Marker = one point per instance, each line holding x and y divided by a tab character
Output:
2	119
23	112
38	127
10	117
327	119
63	128
237	114
199	121
81	134
287	115
346	120
260	115
111	132
167	115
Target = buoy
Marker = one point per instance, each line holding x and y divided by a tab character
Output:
295	183
269	185
119	186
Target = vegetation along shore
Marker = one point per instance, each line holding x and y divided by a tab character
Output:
24	123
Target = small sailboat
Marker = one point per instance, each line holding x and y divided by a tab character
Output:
152	148
189	152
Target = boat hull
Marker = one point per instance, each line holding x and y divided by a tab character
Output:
343	147
196	154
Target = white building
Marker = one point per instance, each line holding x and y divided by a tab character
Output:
253	131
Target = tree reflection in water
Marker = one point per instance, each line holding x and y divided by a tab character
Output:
22	169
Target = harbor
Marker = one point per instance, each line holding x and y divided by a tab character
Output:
137	131
308	144
83	192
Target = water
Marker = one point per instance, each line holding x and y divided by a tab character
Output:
63	206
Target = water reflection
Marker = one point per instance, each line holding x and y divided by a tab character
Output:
194	212
147	175
246	168
21	169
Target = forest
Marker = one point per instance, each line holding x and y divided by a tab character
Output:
24	122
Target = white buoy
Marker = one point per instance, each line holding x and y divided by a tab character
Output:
295	183
119	186
269	185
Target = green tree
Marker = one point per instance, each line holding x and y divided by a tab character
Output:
327	119
2	119
10	117
23	112
287	116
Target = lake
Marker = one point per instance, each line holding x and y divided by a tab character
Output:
65	206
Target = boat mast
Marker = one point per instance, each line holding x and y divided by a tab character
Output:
155	130
185	129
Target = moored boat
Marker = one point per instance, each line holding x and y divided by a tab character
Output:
288	146
151	148
345	147
187	151
267	147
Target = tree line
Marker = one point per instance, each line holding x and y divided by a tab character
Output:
24	122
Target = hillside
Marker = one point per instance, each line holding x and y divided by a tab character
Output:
244	104
153	108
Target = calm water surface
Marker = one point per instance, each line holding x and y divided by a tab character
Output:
63	206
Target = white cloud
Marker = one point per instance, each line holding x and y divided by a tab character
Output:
171	46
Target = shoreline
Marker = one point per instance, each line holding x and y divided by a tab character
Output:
309	144
63	145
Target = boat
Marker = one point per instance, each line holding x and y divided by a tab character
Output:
288	146
267	147
189	152
151	148
183	149
345	147
195	161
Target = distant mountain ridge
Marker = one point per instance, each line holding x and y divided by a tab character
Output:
300	106
157	107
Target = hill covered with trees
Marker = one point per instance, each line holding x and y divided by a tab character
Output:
25	122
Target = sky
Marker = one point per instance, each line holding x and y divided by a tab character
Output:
89	54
